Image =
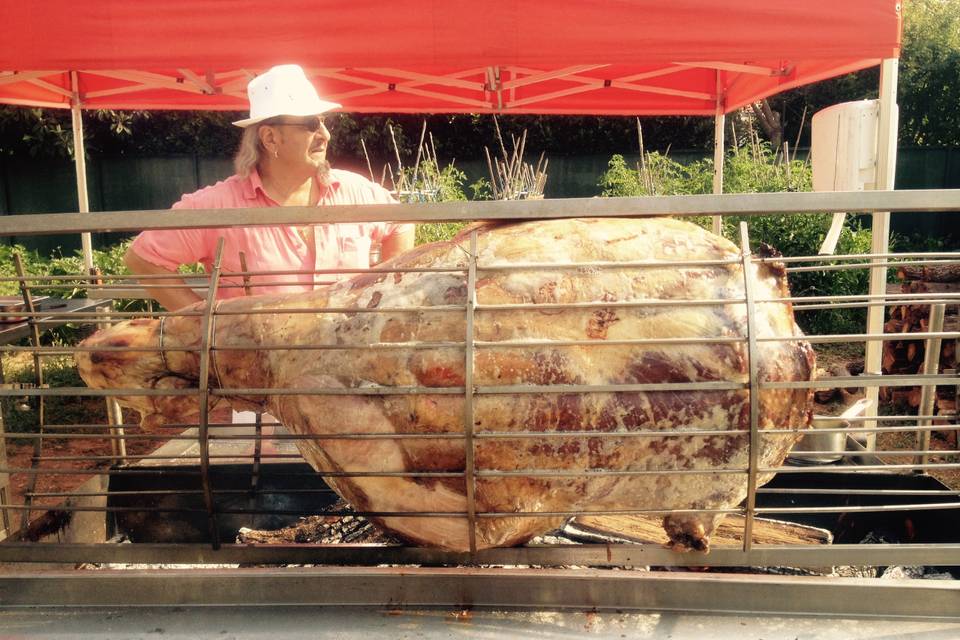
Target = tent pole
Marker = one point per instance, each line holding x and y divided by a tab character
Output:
114	416
880	234
80	162
718	128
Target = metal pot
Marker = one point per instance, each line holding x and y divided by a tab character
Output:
829	446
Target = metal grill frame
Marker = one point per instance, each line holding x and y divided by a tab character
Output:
13	590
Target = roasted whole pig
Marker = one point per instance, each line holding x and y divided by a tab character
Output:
406	310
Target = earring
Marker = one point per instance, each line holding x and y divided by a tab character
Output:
276	154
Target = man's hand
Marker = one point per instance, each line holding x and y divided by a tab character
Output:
397	243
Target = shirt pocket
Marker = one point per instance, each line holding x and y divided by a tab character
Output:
355	252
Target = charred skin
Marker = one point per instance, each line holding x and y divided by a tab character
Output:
698	458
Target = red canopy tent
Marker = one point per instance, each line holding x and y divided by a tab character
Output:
505	56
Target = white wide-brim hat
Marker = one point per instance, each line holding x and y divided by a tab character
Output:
284	90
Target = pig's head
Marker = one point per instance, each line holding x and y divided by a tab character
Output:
128	356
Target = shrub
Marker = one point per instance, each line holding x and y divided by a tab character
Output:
109	260
436	185
659	175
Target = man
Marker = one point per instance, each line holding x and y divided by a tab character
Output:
281	162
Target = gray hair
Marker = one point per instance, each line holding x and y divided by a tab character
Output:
248	155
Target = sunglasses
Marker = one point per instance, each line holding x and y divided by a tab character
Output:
311	124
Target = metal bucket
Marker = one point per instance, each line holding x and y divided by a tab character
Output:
827	447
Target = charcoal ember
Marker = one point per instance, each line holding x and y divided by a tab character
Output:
880	537
855	572
321	529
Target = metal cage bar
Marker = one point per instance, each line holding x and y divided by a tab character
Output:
468	392
753	359
207	337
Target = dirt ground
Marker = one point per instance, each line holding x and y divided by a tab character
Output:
83	454
905	441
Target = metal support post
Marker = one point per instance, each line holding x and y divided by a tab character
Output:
928	393
79	158
118	443
207	337
718	132
754	369
38	373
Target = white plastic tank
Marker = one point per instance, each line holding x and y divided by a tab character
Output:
843	147
843	154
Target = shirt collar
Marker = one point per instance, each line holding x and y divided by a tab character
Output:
253	184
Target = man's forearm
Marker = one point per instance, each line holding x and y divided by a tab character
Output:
175	295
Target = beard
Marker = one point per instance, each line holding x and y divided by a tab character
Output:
323	172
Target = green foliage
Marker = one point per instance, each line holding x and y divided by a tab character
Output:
918	243
754	169
47	133
433	185
620	181
20	415
758	169
929	87
481	190
749	169
450	180
35	132
108	261
659	175
436	231
430	184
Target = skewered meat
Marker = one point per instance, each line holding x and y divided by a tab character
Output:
412	312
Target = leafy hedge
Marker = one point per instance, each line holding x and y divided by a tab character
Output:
443	185
109	260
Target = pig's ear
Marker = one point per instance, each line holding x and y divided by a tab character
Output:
151	421
176	408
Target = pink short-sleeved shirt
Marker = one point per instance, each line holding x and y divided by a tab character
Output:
272	248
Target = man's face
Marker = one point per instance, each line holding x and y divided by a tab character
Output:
302	142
